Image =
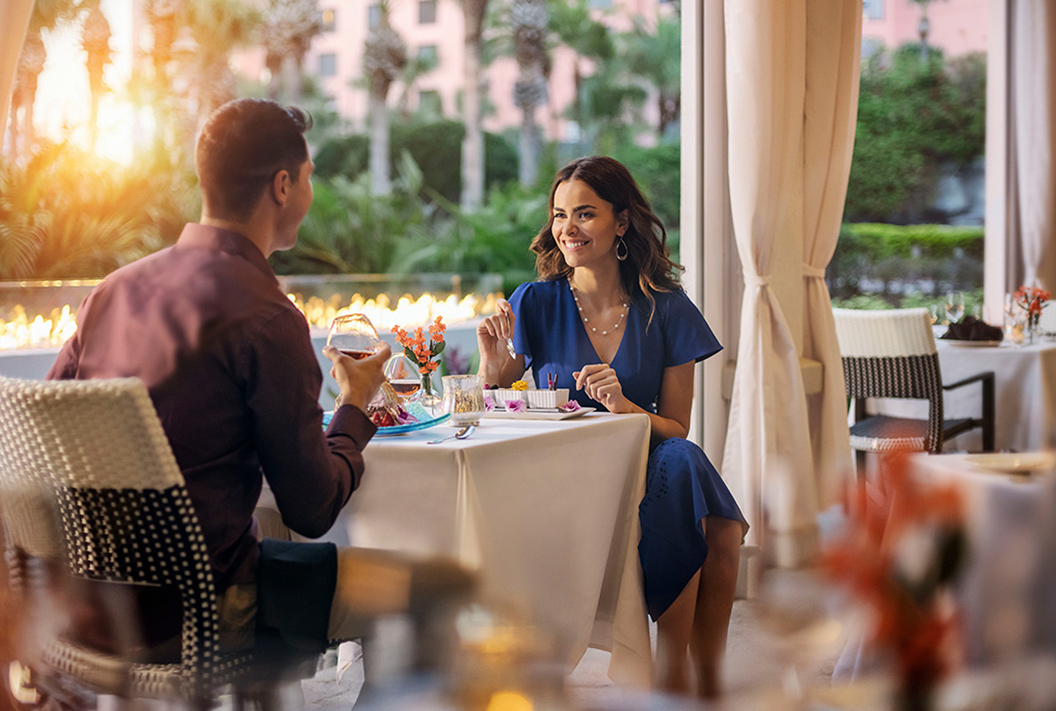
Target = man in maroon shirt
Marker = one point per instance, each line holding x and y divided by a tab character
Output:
229	365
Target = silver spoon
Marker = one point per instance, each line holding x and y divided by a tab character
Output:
461	434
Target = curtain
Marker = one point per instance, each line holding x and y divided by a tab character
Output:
1032	122
768	449
14	19
833	68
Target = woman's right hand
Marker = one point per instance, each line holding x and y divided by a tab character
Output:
492	333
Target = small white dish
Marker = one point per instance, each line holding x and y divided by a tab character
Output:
537	414
1013	462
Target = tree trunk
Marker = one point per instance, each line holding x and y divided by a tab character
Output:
380	181
530	148
473	141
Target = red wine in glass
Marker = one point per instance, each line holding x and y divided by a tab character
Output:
354	335
358	355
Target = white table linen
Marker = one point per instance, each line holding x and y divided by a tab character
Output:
547	511
1024	395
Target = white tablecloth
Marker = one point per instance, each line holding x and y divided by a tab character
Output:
1024	395
547	510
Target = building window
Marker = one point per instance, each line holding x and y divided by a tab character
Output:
328	65
429	103
601	4
374	15
871	46
873	9
426	12
328	20
427	54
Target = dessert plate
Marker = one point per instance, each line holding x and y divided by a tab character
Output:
539	413
1013	462
424	421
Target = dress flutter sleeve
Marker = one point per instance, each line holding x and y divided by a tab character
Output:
687	336
524	311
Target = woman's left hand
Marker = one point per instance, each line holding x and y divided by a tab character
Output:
600	383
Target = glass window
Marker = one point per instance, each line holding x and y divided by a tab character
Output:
328	19
429	103
428	53
601	3
426	12
328	64
873	9
374	15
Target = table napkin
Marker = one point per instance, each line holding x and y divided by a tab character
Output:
972	329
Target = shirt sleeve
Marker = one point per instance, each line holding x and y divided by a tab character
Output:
687	336
311	474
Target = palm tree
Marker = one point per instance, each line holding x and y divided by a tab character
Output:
384	59
287	31
528	21
218	27
47	14
95	39
572	25
653	55
473	142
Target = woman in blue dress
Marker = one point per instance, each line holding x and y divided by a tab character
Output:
609	320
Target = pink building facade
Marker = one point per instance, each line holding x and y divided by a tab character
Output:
957	26
436	28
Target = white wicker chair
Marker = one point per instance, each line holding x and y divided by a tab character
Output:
892	354
97	451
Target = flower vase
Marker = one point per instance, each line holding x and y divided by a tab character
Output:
1033	330
430	399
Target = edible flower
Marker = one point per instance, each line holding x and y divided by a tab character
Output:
516	405
570	406
519	385
489	402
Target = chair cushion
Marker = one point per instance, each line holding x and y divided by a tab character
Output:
882	433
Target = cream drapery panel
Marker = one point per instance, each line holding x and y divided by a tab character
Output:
768	440
1032	105
831	111
14	20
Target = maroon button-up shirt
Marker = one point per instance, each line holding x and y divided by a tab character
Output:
229	365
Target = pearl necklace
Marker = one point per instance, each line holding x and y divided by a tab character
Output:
586	321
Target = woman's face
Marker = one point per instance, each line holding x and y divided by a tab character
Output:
585	227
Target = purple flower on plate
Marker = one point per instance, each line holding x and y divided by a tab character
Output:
570	406
516	406
489	402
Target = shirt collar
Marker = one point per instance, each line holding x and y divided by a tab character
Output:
219	239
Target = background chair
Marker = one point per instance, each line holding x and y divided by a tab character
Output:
892	354
89	487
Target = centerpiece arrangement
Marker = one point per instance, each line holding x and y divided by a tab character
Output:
426	355
1032	300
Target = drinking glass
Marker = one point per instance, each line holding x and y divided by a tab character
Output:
954	306
354	335
464	398
402	373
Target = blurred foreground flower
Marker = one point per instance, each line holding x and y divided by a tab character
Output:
902	548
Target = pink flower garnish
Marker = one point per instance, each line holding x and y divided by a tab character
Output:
516	405
489	402
570	406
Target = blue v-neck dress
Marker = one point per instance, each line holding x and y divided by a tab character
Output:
682	486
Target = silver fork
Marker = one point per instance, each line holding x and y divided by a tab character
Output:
461	434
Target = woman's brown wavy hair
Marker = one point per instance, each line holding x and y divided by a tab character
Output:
648	266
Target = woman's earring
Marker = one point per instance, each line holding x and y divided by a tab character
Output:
626	251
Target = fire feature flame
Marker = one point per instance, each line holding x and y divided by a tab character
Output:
23	331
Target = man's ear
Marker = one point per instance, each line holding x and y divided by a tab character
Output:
280	187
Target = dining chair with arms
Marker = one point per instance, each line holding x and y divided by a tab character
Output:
892	354
89	487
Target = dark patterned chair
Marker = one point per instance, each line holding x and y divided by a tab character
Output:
89	487
892	354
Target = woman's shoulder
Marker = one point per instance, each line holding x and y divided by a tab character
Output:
546	290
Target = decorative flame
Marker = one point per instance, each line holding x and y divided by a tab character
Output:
24	331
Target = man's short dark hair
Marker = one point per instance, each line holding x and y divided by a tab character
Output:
242	146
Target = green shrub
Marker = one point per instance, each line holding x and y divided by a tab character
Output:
657	171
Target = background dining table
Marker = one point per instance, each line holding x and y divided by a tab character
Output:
545	510
1024	394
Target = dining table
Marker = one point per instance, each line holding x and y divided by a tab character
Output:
545	510
1024	393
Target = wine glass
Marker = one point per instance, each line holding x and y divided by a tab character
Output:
354	335
954	306
402	373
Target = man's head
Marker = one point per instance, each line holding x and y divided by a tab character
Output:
243	147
